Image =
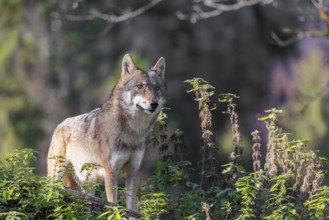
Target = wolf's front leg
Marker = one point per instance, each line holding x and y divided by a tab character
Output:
132	182
132	177
111	185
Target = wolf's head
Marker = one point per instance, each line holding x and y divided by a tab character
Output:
143	90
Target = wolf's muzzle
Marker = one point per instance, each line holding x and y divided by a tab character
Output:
154	105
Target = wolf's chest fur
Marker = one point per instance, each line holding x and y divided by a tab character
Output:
136	130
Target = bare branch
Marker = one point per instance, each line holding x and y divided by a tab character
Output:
106	30
95	14
298	35
216	7
283	43
307	33
98	205
318	3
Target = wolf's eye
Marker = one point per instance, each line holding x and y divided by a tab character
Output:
157	88
140	86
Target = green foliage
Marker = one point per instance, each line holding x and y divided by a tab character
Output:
25	195
228	98
318	203
87	185
114	213
247	189
203	90
289	185
153	206
280	199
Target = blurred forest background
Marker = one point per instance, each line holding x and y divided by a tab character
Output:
62	58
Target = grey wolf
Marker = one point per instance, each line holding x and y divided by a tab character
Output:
113	135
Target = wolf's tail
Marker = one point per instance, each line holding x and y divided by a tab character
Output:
56	161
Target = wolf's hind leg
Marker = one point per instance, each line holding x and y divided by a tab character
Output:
56	156
69	182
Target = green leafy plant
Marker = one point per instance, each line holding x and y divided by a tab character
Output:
25	195
247	189
203	90
318	203
288	184
114	213
153	206
235	168
24	192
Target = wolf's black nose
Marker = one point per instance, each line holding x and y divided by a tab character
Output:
154	105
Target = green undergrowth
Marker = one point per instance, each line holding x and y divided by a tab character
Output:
25	195
285	182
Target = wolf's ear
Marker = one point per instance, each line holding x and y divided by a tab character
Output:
160	67
128	65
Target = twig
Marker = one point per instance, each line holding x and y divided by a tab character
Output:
95	14
99	205
318	3
283	43
216	8
298	36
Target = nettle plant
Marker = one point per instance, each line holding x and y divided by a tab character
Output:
287	185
